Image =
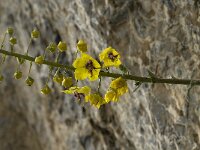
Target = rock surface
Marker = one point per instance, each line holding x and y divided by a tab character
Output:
160	35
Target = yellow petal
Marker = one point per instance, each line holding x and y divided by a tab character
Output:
81	73
85	90
95	75
111	96
104	53
96	100
67	82
79	63
117	63
71	90
96	64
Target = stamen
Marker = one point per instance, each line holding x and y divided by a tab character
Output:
89	65
79	96
111	56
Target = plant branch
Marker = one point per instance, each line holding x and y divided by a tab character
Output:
108	74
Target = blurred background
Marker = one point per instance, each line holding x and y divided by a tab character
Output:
160	35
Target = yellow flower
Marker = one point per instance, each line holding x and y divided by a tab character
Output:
110	57
119	85
79	92
117	88
82	46
86	67
111	96
95	100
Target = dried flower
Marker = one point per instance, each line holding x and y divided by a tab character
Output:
13	41
35	34
67	82
62	46
39	60
18	75
51	47
29	81
45	90
10	31
82	46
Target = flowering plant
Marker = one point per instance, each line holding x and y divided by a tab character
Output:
83	67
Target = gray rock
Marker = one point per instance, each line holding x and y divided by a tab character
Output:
160	35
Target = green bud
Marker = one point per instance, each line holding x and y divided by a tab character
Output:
13	41
1	77
39	60
17	74
62	46
58	78
29	81
20	60
10	31
51	47
35	34
82	46
45	90
67	82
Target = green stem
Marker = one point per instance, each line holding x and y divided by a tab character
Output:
108	74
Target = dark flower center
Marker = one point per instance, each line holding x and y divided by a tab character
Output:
112	56
89	66
79	96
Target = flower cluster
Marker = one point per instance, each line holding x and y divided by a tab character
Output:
88	67
117	88
84	67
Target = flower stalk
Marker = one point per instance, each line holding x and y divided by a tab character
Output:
108	74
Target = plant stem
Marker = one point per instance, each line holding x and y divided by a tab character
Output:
108	74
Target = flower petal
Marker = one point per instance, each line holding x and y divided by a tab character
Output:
79	63
81	73
95	75
111	96
85	90
71	90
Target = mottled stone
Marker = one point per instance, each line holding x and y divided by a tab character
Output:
160	35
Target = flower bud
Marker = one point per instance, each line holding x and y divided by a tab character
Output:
17	74
1	77
82	46
58	78
35	34
67	82
51	47
62	46
29	81
13	41
45	90
39	60
20	60
10	31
